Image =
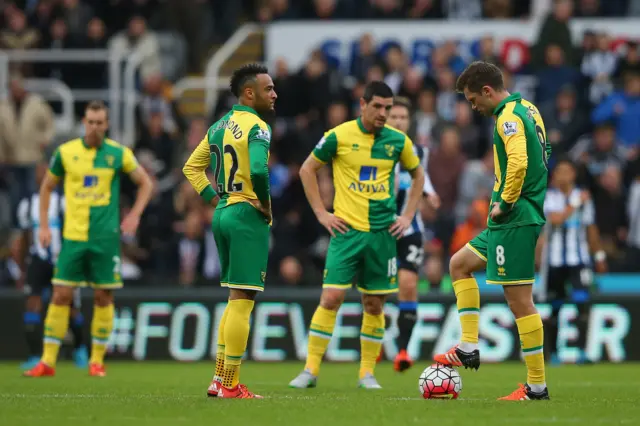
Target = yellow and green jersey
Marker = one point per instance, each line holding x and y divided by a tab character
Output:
520	153
237	149
91	181
363	172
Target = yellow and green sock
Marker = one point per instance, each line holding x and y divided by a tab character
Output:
371	335
220	348
236	334
320	331
101	327
55	328
468	301
532	342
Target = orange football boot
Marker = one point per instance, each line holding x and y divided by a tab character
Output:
457	358
402	362
239	392
97	370
40	370
213	389
524	393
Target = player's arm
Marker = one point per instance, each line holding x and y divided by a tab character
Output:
141	178
410	162
511	130
324	151
428	189
49	183
556	210
593	237
259	140
195	170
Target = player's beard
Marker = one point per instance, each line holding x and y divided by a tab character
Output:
268	115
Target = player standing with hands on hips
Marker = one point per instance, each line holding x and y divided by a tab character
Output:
507	247
364	227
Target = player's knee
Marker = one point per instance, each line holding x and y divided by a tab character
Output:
373	304
407	285
103	297
332	298
33	304
62	295
521	304
458	266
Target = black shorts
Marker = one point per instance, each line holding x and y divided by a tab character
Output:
563	280
410	252
39	276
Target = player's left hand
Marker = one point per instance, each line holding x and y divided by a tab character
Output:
434	201
399	226
496	211
130	224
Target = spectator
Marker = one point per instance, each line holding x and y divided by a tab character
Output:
140	40
27	127
93	75
477	181
555	31
487	50
600	152
364	58
555	74
630	62
18	35
475	223
564	121
396	64
425	119
623	108
77	15
609	200
153	100
599	67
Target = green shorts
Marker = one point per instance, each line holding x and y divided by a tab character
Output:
93	263
368	258
509	253
242	239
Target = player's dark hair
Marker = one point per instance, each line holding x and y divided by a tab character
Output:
97	106
479	74
402	101
377	88
565	159
244	74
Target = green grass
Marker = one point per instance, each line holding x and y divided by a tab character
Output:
158	394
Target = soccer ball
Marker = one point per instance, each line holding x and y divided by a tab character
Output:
440	382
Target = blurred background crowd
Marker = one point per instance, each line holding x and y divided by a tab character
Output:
588	94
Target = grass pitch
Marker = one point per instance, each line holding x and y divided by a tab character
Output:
159	394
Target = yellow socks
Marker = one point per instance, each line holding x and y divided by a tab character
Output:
320	332
55	328
531	341
371	334
220	349
236	334
101	327
468	300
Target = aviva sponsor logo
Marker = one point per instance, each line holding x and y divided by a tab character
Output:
366	182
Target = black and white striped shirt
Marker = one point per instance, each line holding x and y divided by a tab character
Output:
29	219
567	244
404	183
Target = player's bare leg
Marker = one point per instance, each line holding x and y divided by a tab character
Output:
461	267
371	335
236	334
408	305
101	327
55	328
320	332
520	301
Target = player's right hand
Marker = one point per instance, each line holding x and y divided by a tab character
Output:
333	223
44	236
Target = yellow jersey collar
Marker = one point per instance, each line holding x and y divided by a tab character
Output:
513	97
238	107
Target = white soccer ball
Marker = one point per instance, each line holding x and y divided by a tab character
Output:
440	382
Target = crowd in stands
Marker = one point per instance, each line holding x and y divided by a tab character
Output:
588	94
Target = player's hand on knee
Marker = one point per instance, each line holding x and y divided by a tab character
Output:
44	236
333	223
398	227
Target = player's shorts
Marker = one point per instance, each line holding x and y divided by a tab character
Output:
565	281
242	239
39	276
509	253
410	252
368	258
89	263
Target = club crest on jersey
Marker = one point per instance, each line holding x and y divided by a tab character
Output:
510	128
389	149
